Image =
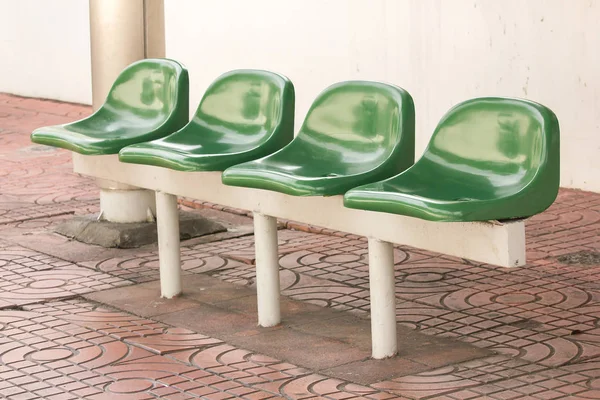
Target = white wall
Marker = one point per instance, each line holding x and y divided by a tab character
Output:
45	49
441	51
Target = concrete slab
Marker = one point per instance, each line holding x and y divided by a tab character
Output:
319	338
38	234
88	229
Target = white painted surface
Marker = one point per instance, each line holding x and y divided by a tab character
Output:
383	299
169	253
45	49
131	205
117	40
267	270
442	52
498	244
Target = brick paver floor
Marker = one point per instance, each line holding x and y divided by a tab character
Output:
540	324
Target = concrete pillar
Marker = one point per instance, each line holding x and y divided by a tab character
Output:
122	32
154	28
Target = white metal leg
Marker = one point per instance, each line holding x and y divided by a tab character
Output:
383	299
168	244
267	270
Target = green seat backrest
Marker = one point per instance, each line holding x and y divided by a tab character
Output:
494	147
245	109
150	94
354	127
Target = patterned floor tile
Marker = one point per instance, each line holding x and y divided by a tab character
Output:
172	340
542	319
75	348
515	312
30	277
144	267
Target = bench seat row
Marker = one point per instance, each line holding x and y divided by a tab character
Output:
489	159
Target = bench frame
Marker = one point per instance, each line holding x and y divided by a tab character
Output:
489	242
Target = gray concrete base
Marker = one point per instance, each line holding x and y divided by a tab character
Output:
87	229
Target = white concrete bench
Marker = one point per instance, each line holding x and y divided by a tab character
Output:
496	243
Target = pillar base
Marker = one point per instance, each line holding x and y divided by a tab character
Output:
127	206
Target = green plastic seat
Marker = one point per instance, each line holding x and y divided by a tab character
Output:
488	159
149	100
354	133
244	115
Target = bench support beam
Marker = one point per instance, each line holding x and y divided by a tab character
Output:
493	243
267	270
383	299
169	257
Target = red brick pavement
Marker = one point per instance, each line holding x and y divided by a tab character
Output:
36	181
542	320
